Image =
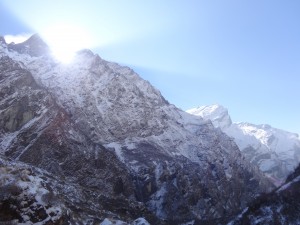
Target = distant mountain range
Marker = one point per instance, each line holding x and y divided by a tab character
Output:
276	152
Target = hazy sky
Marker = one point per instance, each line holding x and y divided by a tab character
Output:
244	55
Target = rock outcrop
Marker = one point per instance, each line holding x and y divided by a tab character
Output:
281	206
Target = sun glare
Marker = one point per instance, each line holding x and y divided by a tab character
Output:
64	40
16	38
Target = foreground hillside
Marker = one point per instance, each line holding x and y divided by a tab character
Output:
282	206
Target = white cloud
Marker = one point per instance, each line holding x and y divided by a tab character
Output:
19	38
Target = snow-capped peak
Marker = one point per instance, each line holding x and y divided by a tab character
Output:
33	46
216	113
276	152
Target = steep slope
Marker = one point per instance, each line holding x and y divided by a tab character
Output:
282	206
276	152
30	195
25	198
35	130
99	125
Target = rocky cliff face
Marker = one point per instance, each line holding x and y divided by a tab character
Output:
276	152
35	130
281	206
120	149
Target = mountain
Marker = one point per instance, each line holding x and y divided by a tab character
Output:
281	206
113	147
276	152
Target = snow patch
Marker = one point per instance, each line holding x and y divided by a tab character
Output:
117	148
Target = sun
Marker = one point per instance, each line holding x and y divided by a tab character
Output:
65	39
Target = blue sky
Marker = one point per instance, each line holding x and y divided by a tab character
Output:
242	54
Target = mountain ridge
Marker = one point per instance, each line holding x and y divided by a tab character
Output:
99	125
275	151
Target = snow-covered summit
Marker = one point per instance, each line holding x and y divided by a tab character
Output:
216	113
34	46
275	151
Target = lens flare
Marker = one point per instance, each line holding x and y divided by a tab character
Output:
65	39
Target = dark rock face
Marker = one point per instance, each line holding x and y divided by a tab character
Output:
281	206
112	146
178	185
